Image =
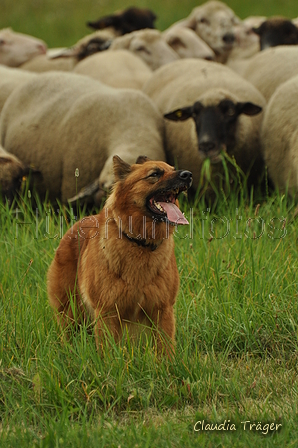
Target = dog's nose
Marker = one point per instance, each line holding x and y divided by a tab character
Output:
186	176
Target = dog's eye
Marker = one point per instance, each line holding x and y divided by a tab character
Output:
156	174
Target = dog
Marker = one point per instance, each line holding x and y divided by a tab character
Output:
119	266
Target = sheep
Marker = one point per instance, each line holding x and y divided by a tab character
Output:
270	68
213	22
67	58
188	44
65	123
11	78
88	45
276	31
279	136
118	68
17	48
147	44
44	63
222	106
123	22
12	171
247	44
251	22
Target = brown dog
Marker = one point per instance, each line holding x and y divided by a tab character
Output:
119	266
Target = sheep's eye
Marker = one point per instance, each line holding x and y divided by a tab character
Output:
144	49
229	112
204	20
2	41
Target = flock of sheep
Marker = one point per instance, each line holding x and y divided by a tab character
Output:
211	88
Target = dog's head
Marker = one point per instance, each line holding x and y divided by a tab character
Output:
148	189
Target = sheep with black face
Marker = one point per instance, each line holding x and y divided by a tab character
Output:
277	31
123	22
209	110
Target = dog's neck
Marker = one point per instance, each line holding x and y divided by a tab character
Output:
142	242
142	230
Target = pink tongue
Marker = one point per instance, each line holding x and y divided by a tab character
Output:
175	216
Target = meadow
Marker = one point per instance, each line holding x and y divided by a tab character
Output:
233	381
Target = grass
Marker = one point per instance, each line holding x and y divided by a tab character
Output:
236	356
63	22
236	312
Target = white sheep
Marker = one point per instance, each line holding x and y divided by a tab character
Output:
12	171
247	44
66	59
271	67
211	109
62	123
147	44
45	63
213	22
280	136
118	68
11	78
17	48
187	43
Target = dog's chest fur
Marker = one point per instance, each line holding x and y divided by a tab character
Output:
117	273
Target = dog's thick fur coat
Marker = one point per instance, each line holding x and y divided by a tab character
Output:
119	266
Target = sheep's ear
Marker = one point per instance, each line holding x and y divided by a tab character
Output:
121	168
142	159
248	109
123	42
179	114
105	22
256	30
175	42
191	23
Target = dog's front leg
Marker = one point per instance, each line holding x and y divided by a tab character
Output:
107	326
165	327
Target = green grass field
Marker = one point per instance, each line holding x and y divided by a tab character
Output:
62	22
236	357
236	312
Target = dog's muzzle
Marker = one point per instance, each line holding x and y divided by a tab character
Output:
186	176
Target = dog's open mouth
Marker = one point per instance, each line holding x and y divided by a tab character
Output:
162	204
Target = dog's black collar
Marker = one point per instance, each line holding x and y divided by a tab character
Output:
142	242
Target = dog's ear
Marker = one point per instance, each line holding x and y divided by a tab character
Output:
121	168
142	159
